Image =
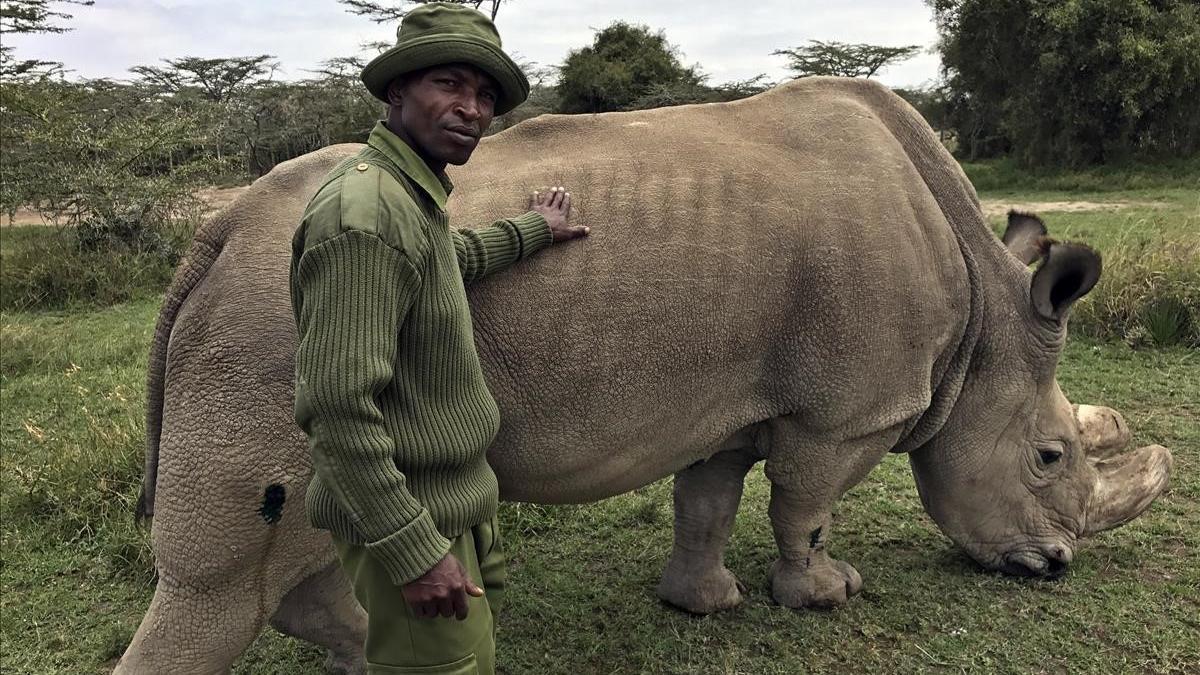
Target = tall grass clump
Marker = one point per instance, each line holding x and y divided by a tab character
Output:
46	268
1149	293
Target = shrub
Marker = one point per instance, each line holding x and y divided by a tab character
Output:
1149	294
48	268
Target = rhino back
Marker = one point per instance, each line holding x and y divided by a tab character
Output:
777	255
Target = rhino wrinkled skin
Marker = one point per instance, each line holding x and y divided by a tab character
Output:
803	277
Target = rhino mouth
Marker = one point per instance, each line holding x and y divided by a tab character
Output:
1032	564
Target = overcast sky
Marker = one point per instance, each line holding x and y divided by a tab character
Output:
728	40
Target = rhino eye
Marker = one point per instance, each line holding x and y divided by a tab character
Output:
1049	455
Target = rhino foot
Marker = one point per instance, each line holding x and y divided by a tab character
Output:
700	593
814	583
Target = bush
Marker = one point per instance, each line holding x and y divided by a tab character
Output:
1148	295
117	165
623	63
47	268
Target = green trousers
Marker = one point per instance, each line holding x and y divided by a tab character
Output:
398	641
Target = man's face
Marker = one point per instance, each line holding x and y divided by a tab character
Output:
443	111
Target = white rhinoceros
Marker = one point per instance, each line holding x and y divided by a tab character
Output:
803	277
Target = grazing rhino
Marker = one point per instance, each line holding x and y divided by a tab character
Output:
803	277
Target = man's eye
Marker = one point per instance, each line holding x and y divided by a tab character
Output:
488	95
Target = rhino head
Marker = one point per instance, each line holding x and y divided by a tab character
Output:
1017	475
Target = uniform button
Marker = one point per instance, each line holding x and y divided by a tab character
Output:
362	167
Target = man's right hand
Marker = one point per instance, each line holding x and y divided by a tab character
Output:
442	591
555	206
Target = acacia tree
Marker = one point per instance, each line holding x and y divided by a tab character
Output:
30	16
115	163
842	59
386	12
221	92
217	80
1072	83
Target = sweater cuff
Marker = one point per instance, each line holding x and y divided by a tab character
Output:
534	232
411	551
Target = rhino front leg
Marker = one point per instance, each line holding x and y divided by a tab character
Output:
807	479
706	500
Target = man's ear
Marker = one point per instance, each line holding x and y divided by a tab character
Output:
395	91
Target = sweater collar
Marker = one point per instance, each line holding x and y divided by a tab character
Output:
406	159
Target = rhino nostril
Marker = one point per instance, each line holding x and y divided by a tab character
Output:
1055	568
1058	559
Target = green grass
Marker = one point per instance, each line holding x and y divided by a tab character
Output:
76	574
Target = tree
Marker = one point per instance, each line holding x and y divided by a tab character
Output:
841	59
116	162
381	12
930	101
1072	83
624	62
698	91
217	80
221	92
30	16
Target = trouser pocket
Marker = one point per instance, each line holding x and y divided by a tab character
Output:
464	666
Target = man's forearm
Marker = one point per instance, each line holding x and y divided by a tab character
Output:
488	250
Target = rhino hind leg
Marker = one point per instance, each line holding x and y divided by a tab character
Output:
194	631
807	478
322	610
707	495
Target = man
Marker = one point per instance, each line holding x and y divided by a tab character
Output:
389	387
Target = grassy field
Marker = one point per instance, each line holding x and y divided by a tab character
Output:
76	574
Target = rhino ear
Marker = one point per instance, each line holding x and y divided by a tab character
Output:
1067	273
1022	235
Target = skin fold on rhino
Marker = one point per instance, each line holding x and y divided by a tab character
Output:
802	278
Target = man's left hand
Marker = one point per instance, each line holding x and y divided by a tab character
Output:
555	206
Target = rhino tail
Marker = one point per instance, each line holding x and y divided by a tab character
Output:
206	246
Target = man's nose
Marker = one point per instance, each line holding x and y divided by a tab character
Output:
468	108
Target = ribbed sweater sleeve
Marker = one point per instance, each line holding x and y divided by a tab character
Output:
356	290
490	249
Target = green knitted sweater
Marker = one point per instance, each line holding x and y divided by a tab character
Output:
389	387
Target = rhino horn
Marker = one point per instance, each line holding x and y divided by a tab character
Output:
1126	486
1102	430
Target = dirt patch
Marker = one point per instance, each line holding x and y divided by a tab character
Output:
214	198
999	207
219	198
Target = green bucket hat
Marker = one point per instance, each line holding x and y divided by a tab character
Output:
439	33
